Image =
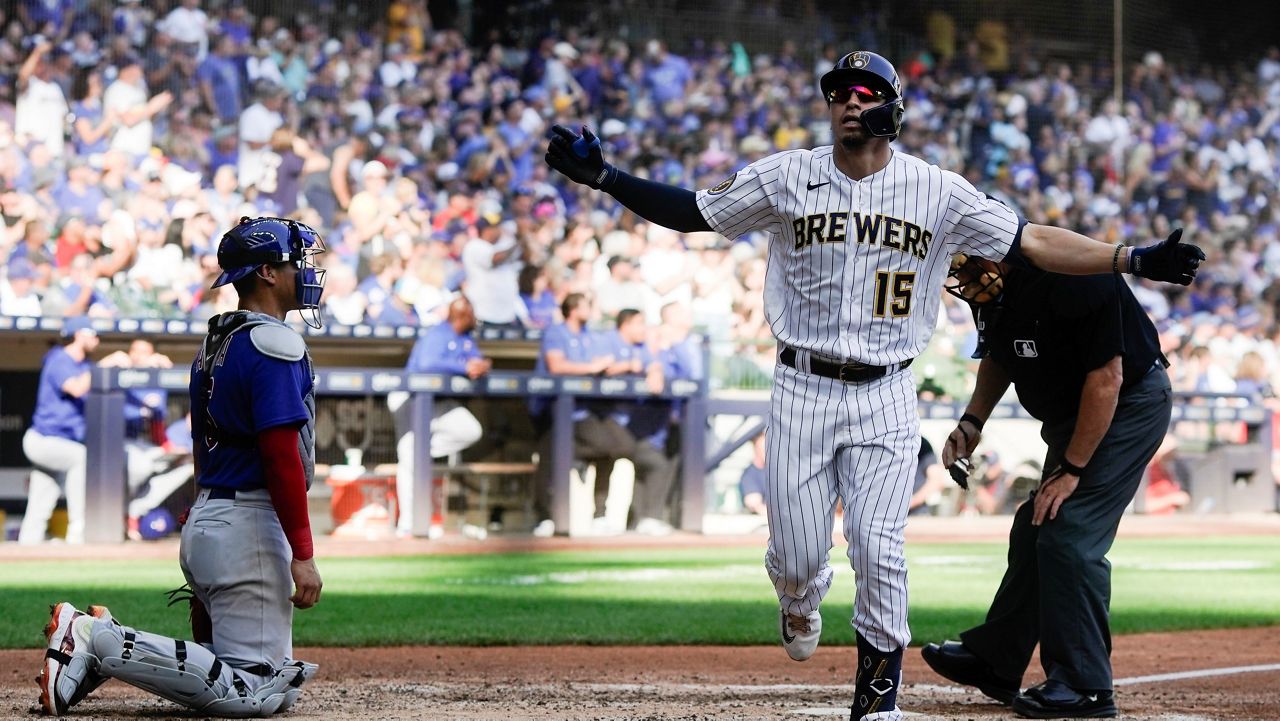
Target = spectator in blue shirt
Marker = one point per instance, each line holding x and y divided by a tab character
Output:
537	297
80	195
448	348
219	78
666	75
55	441
92	125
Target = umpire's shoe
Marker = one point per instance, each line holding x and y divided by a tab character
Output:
1055	699
69	672
800	634
953	661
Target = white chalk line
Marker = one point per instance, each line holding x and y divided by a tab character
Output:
1203	673
926	687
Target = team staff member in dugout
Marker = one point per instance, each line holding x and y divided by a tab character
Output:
858	230
55	441
246	547
448	347
1085	361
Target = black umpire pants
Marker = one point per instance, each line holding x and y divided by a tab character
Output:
1057	589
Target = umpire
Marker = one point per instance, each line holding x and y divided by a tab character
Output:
1084	360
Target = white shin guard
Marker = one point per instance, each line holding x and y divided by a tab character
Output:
189	674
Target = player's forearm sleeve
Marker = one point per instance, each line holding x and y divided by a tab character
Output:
287	484
666	205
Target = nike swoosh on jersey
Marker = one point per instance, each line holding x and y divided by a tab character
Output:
814	186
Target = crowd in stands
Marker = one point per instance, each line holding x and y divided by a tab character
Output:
133	134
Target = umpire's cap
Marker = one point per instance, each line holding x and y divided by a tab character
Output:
868	68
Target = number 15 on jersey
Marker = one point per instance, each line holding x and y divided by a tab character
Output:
893	294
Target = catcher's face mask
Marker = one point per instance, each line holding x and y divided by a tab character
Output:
974	280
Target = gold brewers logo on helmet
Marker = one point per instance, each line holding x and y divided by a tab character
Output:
974	280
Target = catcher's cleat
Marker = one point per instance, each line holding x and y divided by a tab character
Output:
69	673
800	634
102	613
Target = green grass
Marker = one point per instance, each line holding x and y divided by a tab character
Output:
668	596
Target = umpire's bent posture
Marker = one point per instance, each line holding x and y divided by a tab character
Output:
1085	361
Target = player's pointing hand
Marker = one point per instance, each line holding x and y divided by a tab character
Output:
578	157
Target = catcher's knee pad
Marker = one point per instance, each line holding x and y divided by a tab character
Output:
162	666
283	689
875	692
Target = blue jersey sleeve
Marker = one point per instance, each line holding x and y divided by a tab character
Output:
61	368
279	389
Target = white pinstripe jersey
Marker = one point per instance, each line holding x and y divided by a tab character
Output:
855	266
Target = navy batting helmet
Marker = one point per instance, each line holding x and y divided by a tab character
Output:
256	242
867	68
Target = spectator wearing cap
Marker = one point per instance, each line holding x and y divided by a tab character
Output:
257	123
41	110
54	444
220	82
91	125
18	295
126	100
491	261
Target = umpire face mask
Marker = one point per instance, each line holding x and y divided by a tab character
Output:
976	281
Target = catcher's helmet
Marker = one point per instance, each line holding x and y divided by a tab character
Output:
256	242
872	70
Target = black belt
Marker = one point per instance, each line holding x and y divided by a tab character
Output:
849	372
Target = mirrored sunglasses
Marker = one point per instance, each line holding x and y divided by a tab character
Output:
865	94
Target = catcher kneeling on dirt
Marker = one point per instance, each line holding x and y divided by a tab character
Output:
246	545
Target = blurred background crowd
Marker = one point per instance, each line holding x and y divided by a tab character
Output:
132	134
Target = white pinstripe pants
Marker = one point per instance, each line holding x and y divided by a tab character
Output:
857	442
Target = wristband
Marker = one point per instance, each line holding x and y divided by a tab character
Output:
1115	259
970	418
1071	468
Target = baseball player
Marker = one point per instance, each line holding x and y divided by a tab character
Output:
860	240
246	547
55	441
1085	360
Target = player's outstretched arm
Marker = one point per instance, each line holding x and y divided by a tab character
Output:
1063	251
579	158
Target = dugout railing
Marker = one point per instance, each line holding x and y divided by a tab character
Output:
105	488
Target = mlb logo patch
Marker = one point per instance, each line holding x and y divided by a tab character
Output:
1025	349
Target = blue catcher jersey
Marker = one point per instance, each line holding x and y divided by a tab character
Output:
246	393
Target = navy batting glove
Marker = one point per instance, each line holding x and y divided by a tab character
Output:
578	157
1170	261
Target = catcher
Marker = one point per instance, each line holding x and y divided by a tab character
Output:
246	546
1085	361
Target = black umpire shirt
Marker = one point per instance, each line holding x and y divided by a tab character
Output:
1048	331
